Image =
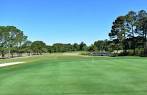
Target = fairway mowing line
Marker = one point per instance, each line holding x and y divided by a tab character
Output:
10	64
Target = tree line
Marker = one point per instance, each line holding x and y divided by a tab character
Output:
128	33
14	43
60	47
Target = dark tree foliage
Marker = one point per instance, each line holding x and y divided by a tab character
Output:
130	31
11	40
59	47
38	47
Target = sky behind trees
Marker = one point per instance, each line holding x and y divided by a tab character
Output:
66	21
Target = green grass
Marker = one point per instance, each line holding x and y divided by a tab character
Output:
75	75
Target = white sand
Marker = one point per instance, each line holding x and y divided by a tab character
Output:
71	54
9	64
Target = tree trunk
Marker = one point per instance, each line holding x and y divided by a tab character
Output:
145	44
134	47
124	44
12	55
3	54
133	41
29	53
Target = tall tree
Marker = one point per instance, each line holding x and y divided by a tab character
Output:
142	28
10	37
3	40
119	31
83	46
131	21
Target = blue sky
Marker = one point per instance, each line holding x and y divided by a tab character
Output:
65	21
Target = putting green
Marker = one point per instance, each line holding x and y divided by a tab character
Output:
75	75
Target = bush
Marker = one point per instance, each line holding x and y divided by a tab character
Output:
123	54
84	53
114	55
128	53
143	53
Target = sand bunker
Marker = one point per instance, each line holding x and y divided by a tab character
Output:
9	64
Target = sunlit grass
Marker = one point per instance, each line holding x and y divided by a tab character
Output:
58	74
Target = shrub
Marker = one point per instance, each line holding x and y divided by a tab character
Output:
84	53
114	55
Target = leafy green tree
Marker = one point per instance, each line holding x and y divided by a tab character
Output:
92	48
10	39
76	47
27	47
38	47
59	47
82	46
50	49
3	40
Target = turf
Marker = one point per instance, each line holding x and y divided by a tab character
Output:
75	75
